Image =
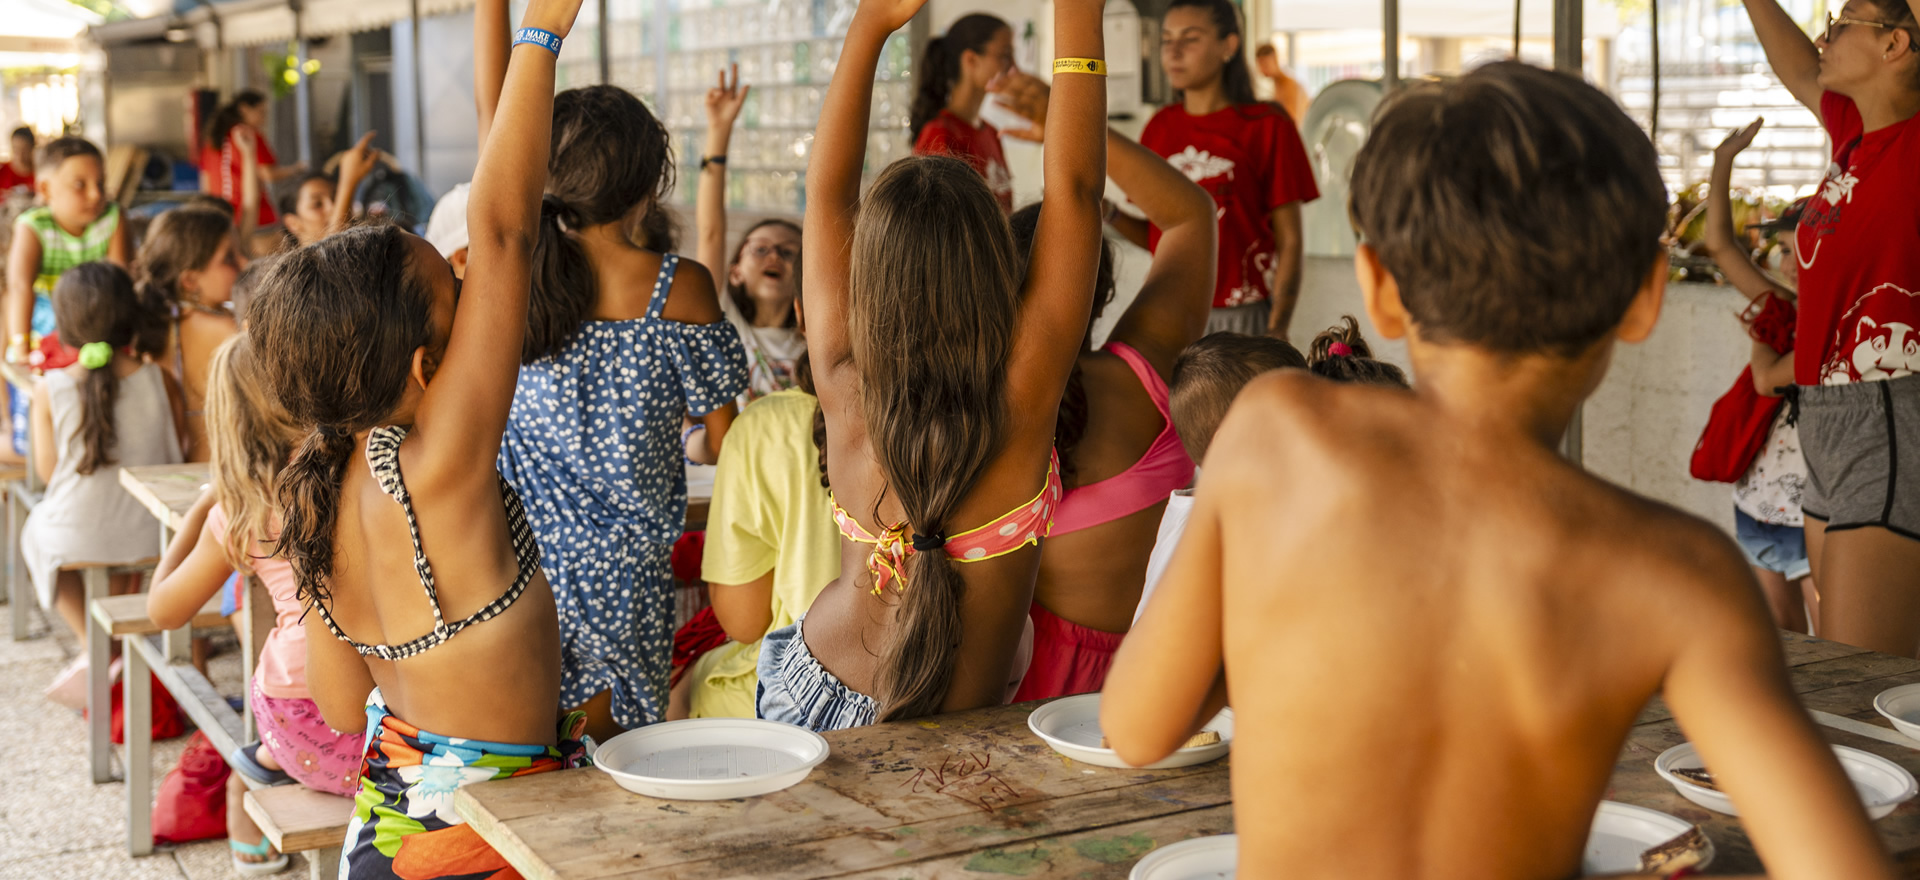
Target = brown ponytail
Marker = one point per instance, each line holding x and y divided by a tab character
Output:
932	297
1354	361
342	318
179	240
94	302
940	64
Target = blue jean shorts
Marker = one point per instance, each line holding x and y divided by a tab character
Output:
795	689
1772	547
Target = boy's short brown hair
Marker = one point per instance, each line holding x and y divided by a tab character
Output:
61	149
1518	209
1210	372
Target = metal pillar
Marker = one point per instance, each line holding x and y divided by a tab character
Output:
1390	52
302	94
1567	58
419	101
603	44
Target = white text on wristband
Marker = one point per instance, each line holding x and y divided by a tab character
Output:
547	40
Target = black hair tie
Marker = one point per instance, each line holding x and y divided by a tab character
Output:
552	206
927	543
331	432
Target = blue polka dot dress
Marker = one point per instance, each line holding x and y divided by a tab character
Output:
593	447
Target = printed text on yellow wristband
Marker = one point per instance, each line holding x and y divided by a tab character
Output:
1094	66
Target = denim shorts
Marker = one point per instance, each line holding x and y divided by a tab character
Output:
795	689
1772	547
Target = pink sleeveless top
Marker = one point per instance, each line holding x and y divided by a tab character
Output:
1164	468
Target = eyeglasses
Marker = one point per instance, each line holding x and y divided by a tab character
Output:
787	253
1835	24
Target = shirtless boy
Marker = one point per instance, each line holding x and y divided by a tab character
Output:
1440	683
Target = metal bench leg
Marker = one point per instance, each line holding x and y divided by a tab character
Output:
18	590
323	863
99	682
138	689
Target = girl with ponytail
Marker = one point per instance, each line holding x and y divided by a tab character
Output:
429	624
187	268
939	363
108	410
1245	153
622	344
955	72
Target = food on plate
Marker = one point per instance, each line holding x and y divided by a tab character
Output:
1685	851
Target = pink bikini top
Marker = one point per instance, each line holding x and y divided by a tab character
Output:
1164	468
1012	530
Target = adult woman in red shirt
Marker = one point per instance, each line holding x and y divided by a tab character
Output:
954	73
1859	327
225	166
1245	153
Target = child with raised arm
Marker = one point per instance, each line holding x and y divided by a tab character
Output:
1767	519
763	278
401	379
1512	613
939	372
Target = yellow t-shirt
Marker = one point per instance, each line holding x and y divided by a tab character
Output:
769	512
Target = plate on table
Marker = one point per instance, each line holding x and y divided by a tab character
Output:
1202	858
711	759
1882	784
1071	725
1901	706
1622	832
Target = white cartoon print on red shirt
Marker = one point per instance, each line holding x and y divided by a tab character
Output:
1875	339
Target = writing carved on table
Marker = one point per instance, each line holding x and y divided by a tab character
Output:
967	777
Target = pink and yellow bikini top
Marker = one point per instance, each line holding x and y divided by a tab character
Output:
1015	529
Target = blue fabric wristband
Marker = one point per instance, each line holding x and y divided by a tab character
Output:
547	40
684	437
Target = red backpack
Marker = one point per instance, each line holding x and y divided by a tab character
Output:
1737	427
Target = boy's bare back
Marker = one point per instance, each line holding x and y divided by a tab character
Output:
1461	633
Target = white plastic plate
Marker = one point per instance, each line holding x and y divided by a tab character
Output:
1901	706
1072	727
711	759
1622	832
1881	783
1202	858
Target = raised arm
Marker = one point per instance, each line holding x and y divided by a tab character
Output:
245	141
1727	681
464	412
490	44
833	181
355	164
1722	240
1058	294
1789	51
1171	309
710	206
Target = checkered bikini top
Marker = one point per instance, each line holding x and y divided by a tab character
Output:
383	455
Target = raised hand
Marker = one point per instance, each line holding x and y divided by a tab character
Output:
890	14
551	15
725	99
359	159
1026	95
1739	140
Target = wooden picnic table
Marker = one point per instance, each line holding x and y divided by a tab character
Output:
977	794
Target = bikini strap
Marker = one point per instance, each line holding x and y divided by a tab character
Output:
1149	377
383	456
669	264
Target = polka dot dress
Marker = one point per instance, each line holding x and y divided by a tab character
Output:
593	447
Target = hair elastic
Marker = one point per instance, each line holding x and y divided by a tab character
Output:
1094	66
95	355
545	39
929	543
1340	349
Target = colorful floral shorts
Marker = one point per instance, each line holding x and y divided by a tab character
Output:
403	822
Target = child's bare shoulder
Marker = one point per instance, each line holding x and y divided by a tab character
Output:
692	299
1292	412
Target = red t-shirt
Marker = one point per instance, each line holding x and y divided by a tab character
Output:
949	135
223	168
1859	251
1250	159
10	178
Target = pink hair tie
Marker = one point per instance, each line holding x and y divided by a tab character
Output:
1340	349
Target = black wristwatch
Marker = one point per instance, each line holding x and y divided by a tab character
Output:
720	160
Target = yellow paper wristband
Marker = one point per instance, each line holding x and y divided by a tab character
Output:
1094	66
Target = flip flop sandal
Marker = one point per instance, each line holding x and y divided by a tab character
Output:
242	760
257	869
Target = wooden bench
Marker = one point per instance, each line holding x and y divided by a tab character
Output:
125	618
94	578
298	819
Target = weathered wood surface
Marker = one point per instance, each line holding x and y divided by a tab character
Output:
976	794
167	491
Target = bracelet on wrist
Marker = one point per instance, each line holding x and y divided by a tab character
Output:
541	37
720	160
1094	66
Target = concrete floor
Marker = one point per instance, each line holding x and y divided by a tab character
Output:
55	824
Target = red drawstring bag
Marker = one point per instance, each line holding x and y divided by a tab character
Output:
192	804
1737	427
167	720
